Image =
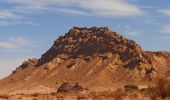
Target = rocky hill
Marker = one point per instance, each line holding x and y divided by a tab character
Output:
95	58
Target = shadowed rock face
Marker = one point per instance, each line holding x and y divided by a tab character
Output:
87	42
29	62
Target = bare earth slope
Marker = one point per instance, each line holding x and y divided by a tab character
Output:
96	58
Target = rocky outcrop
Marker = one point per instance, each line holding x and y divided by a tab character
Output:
88	42
66	87
29	62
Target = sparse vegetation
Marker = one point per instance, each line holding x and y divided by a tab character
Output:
4	96
35	94
80	97
161	89
143	90
131	87
119	94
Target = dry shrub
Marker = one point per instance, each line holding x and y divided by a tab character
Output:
4	96
35	94
79	97
53	93
133	95
131	87
119	94
92	94
95	95
161	88
34	99
143	90
62	95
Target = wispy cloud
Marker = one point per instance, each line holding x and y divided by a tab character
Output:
16	22
166	29
133	33
99	8
165	11
11	17
6	14
15	43
71	11
111	8
21	9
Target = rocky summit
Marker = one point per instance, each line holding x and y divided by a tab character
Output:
96	58
91	42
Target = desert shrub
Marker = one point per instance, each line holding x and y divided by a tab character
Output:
35	94
80	97
131	87
133	95
97	95
161	88
119	94
4	96
92	94
53	93
35	99
144	90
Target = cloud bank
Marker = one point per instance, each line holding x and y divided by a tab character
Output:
15	43
20	9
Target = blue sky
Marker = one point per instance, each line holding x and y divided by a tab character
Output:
28	27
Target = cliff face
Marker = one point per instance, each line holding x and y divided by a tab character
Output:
93	57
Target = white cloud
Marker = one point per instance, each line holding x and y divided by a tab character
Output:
107	8
6	14
11	17
166	29
111	8
15	22
165	11
20	9
133	33
72	11
15	43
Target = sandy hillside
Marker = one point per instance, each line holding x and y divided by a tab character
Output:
88	59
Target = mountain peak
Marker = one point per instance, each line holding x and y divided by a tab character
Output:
91	28
87	42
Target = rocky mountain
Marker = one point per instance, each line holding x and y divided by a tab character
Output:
84	42
96	58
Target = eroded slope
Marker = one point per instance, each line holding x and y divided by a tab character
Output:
96	58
